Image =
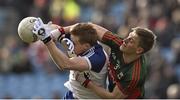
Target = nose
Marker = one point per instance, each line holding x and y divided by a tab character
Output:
126	40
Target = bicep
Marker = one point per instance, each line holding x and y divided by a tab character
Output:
78	63
95	62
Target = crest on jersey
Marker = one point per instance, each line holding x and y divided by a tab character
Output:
120	75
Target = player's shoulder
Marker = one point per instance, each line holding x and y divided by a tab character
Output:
93	50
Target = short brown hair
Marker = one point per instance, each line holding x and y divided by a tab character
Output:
86	33
146	36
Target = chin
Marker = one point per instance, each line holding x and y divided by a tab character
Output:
121	48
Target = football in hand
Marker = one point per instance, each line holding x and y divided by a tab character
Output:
25	28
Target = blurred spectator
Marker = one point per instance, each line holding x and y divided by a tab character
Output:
173	91
40	59
40	9
176	50
71	12
22	64
56	10
6	62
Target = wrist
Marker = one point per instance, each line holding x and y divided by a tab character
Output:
46	40
57	33
61	30
50	44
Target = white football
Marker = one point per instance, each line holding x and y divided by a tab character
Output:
25	28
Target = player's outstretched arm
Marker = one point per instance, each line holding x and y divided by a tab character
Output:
59	31
100	30
63	61
85	81
103	93
43	33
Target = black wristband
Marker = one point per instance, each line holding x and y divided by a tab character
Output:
46	40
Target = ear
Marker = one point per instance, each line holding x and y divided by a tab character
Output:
139	50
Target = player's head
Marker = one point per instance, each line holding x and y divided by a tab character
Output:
139	41
83	36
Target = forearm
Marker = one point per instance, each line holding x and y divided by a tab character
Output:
60	59
103	93
58	31
100	30
68	29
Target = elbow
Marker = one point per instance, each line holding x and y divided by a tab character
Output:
63	67
60	67
109	96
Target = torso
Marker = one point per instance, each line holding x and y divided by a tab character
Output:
129	77
120	72
97	74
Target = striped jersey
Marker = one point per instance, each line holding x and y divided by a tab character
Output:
97	60
129	78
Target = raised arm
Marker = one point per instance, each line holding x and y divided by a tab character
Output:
100	91
62	61
100	30
103	93
59	30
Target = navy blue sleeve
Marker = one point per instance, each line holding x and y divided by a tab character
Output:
97	60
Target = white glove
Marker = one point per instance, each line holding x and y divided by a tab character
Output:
82	78
42	30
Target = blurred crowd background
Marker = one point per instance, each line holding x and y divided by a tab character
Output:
27	71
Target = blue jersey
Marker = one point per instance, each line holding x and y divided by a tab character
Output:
97	60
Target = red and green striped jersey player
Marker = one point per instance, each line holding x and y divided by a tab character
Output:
128	68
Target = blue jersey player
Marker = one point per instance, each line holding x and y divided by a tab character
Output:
90	57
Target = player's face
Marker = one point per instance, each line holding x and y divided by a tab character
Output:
78	47
130	44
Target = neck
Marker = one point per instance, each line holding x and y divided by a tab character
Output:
128	58
85	50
